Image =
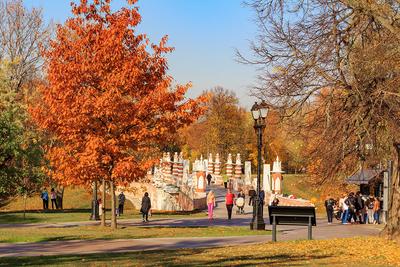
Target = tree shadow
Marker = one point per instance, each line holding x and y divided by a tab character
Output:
11	218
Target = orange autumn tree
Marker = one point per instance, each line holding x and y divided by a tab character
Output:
109	101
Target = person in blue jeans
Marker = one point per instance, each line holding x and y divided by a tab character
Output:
376	210
345	213
45	197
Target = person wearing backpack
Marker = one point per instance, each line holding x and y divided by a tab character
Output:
351	202
359	206
329	203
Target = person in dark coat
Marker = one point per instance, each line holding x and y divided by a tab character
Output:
146	206
209	177
252	195
329	204
121	203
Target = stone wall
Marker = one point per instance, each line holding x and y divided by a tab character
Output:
187	204
161	200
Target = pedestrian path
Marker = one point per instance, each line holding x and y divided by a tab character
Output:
322	231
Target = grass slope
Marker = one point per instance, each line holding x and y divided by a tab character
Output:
298	185
74	198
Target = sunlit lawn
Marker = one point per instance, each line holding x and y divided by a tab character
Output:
80	215
29	234
364	252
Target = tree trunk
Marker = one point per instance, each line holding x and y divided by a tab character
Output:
60	196
25	196
103	203
113	211
392	228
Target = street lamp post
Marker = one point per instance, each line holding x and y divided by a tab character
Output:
259	113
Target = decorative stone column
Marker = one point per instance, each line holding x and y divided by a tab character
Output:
266	179
277	177
210	164
180	169
168	168
217	171
200	178
175	165
247	172
175	171
238	183
229	171
238	167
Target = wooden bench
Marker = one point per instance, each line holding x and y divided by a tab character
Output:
291	215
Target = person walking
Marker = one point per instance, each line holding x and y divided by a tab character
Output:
329	204
345	210
210	204
252	195
146	206
243	196
45	198
229	198
376	210
53	197
121	203
209	177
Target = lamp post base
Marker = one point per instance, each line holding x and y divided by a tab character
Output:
257	225
95	211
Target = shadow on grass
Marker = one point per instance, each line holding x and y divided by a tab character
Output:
10	218
183	257
41	211
36	216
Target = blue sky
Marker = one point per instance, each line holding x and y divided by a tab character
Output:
205	34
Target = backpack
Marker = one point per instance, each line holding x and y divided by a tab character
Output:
370	205
330	202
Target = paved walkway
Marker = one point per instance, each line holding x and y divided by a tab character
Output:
322	231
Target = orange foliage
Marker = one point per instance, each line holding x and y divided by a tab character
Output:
108	100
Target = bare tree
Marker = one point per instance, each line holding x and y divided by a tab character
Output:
22	33
337	63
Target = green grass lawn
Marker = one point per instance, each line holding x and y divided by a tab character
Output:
28	234
366	252
82	215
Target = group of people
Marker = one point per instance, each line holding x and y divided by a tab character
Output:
231	200
354	208
145	206
52	197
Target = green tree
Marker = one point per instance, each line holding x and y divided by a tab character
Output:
224	129
21	153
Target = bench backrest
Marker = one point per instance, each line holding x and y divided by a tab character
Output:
292	215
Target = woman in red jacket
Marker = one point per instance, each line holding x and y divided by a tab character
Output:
229	198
